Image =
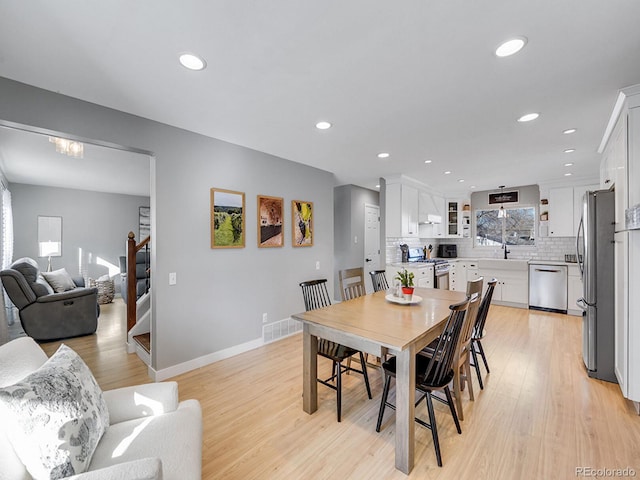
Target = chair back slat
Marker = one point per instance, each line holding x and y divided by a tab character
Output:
379	280
352	283
315	294
474	292
483	310
441	362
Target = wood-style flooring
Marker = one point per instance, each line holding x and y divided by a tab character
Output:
539	416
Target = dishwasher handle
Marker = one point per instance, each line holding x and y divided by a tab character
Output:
548	270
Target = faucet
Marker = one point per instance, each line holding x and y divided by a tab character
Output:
504	247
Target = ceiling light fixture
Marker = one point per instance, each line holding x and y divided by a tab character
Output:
323	125
447	172
511	46
570	164
192	61
502	213
377	186
567	174
428	161
461	180
528	117
570	150
67	147
383	155
569	130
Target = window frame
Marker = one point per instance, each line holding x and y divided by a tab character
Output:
504	227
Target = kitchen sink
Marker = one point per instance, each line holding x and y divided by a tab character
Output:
500	264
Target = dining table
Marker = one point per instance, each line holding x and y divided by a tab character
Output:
380	324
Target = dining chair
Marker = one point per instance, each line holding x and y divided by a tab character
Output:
316	296
462	363
379	280
479	332
352	283
433	373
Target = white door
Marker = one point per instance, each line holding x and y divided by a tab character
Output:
371	243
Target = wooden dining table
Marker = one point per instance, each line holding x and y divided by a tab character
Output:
375	325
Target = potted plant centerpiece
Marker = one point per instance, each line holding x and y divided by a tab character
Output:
406	282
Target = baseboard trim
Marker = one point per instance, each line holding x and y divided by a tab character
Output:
174	370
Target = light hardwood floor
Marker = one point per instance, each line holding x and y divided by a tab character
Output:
539	415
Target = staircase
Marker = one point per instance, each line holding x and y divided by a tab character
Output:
138	309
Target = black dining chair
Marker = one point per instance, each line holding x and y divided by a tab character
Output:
479	331
316	296
379	280
433	373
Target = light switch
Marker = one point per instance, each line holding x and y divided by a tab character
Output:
172	278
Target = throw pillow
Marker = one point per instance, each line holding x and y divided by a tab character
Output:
59	280
55	416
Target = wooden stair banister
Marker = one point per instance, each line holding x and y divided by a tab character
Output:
132	294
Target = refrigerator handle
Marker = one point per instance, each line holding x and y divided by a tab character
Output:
580	264
582	304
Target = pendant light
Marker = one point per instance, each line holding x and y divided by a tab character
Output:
502	213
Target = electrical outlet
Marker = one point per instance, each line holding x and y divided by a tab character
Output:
172	278
264	318
317	265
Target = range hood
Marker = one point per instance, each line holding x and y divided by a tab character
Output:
428	213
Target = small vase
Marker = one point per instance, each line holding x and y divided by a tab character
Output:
407	293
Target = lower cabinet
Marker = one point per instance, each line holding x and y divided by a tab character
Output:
458	276
512	288
422	276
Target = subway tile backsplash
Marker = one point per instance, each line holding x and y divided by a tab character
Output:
547	248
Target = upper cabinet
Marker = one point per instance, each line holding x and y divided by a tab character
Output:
565	209
401	212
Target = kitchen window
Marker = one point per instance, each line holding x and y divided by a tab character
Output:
517	228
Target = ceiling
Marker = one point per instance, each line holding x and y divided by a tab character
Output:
417	79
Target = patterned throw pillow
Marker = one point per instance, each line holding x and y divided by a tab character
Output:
60	280
55	417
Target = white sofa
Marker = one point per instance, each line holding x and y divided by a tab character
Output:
150	435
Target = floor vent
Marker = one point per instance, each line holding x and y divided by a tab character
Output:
277	330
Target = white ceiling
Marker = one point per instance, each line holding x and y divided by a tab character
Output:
416	78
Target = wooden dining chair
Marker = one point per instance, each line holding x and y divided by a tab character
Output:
316	296
462	364
352	283
379	280
479	332
433	373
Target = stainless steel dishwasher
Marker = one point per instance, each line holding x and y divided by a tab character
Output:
548	287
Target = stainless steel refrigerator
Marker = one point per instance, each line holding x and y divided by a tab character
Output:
595	253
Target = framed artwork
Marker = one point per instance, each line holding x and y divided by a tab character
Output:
144	223
227	219
270	221
302	223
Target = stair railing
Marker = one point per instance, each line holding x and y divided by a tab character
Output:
132	282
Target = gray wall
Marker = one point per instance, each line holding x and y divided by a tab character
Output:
528	195
349	202
94	225
220	294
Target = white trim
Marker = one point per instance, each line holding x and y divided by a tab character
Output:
617	108
174	370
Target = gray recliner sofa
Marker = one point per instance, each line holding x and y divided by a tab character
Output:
45	315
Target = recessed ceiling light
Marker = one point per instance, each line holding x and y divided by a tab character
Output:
567	174
323	125
377	186
511	46
568	164
472	186
528	117
570	150
428	161
383	155
461	180
569	130
192	62
447	172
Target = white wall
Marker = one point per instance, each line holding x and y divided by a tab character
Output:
94	225
220	295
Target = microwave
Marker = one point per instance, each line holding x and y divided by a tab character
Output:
447	250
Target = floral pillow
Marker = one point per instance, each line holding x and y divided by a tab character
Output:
55	416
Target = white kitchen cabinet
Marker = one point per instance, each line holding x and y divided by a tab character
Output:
574	290
401	212
422	275
453	219
430	205
561	212
457	276
472	271
512	288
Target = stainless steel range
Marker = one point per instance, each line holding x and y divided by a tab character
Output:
440	267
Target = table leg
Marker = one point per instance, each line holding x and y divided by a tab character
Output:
310	371
405	409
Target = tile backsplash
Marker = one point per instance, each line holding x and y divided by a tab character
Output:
547	248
